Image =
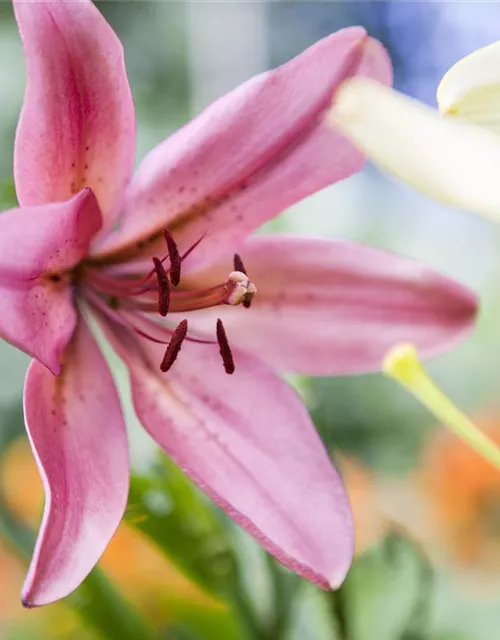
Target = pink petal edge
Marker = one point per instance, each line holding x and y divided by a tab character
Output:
77	433
77	124
248	442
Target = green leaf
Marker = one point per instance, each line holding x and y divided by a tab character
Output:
100	604
388	594
167	508
202	542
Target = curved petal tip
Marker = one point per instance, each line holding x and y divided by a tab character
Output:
26	602
78	437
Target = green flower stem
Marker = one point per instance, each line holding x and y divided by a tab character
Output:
403	365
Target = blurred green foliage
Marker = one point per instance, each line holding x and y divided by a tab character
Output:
388	593
368	417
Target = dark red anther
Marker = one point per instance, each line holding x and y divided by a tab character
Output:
238	264
225	349
163	287
174	346
174	257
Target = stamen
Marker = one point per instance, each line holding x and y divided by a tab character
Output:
163	287
182	258
402	364
224	348
174	257
238	264
174	346
131	300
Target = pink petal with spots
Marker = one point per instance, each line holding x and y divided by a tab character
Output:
38	248
332	307
252	153
77	125
248	442
78	436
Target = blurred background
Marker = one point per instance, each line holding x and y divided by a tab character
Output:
427	509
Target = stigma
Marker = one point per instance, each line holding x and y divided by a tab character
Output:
243	290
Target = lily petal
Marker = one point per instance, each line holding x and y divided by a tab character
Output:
328	307
77	125
253	152
38	248
447	159
248	442
78	437
470	90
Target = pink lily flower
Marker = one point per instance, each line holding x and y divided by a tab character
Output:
147	255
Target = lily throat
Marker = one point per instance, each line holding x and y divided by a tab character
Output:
142	303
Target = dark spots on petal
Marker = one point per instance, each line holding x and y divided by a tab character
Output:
86	166
72	165
141	244
87	148
181	189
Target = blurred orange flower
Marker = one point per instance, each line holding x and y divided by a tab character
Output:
370	524
462	493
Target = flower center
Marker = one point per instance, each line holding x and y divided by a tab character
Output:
143	303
